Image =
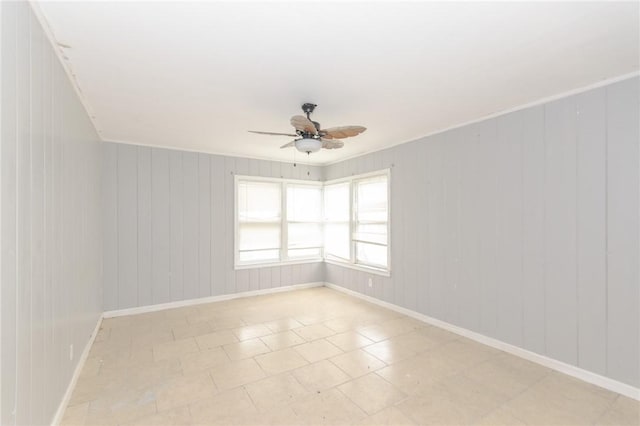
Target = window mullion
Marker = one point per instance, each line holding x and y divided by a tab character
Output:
284	224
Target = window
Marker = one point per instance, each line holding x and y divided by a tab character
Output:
259	218
285	221
357	221
304	221
371	221
277	221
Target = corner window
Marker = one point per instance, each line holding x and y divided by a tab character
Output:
345	221
357	221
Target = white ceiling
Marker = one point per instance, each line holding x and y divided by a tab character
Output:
197	76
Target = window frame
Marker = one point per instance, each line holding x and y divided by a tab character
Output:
352	262
283	249
284	260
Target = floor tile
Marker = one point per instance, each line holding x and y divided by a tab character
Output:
624	411
221	409
275	391
349	340
191	330
320	376
314	332
203	360
390	416
415	374
185	390
236	374
175	417
559	399
245	349
372	393
216	339
317	350
280	361
283	324
331	407
174	349
357	363
282	340
251	331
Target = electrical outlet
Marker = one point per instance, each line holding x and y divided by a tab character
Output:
71	352
370	282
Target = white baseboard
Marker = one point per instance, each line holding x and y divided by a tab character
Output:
568	369
191	302
76	373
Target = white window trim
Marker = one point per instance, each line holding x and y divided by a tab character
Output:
351	263
284	260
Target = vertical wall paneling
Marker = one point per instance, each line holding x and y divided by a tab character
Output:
204	226
37	132
110	224
591	230
487	210
533	217
509	228
435	222
217	225
51	250
127	226
228	208
160	227
468	294
145	227
623	215
8	218
190	224
560	230
176	193
23	249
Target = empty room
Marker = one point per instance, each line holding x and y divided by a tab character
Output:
319	213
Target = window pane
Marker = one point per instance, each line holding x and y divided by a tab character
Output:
307	252
259	201
372	199
304	235
336	202
258	236
371	254
256	256
336	240
371	232
304	203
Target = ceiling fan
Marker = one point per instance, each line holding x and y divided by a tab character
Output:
311	137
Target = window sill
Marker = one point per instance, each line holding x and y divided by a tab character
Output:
277	263
368	269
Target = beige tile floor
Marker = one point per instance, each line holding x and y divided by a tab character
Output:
318	356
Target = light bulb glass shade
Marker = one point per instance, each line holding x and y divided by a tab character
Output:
308	145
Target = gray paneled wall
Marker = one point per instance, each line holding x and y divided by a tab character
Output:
51	225
169	226
524	228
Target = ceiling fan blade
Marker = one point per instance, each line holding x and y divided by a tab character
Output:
342	132
332	144
303	124
288	145
273	133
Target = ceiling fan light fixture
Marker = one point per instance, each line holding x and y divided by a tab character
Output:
308	145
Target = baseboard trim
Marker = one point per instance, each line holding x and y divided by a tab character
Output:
571	370
76	374
210	299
